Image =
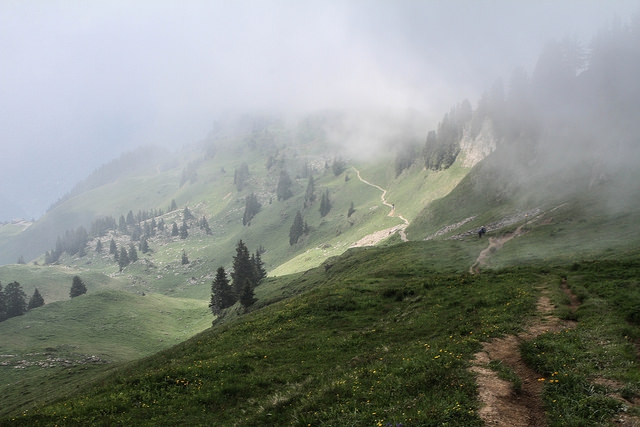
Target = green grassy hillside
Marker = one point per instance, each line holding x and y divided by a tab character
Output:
381	335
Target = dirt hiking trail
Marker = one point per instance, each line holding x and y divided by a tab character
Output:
502	405
378	236
495	243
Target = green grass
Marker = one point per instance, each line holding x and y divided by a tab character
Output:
583	368
114	326
380	336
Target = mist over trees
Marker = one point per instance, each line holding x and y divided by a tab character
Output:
579	103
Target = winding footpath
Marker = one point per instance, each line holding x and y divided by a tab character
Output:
376	237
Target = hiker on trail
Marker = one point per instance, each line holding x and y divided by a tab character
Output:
481	232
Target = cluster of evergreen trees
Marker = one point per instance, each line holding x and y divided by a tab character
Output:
13	300
248	272
139	227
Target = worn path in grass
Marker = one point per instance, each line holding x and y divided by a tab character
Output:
495	243
376	237
502	403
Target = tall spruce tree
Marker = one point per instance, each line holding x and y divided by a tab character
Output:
283	189
325	203
310	194
15	300
243	269
184	233
133	254
123	258
297	229
77	287
251	208
221	292
261	273
247	295
35	301
3	305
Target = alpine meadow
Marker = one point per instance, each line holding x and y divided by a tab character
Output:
349	267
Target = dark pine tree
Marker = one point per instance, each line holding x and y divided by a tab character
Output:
310	194
283	189
296	230
99	246
184	233
113	249
247	295
243	269
185	259
187	215
251	208
15	300
204	225
123	258
3	305
174	229
133	254
261	273
325	203
77	287
144	245
221	292
35	301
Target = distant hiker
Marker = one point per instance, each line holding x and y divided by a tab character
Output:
481	232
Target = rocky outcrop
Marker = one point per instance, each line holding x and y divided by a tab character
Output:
474	149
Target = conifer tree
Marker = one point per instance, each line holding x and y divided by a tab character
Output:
247	295
113	249
310	195
251	208
35	301
204	225
3	305
15	300
325	203
174	229
261	273
133	254
123	258
77	287
221	292
297	229
184	233
144	245
243	269
185	259
186	214
99	246
283	189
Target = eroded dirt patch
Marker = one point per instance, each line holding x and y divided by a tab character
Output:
502	404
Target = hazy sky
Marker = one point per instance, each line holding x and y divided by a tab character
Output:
82	81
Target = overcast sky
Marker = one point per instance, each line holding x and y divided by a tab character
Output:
83	81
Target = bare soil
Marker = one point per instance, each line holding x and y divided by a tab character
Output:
502	405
